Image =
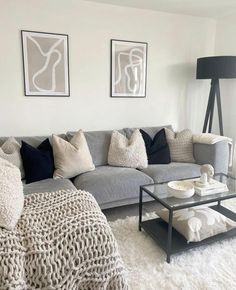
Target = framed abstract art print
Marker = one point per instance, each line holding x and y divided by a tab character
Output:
45	63
128	69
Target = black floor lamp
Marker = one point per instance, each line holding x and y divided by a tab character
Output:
215	68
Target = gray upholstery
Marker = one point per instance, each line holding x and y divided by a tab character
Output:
116	186
33	141
173	171
150	130
215	154
48	185
99	143
111	184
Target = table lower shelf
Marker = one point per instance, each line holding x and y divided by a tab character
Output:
158	230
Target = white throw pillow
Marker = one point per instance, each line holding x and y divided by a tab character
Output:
10	151
127	152
11	195
71	158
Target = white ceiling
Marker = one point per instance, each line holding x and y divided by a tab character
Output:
203	8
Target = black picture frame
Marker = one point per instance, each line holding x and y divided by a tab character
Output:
144	45
66	74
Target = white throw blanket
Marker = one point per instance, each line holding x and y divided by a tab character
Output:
62	241
208	138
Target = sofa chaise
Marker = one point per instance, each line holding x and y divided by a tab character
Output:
117	186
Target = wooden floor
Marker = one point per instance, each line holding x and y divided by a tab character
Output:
129	210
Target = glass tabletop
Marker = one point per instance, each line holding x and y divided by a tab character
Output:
159	191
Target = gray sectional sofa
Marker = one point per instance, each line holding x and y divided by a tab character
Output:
116	186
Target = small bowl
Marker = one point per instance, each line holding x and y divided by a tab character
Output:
181	189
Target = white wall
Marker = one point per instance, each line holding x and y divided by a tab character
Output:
226	45
173	94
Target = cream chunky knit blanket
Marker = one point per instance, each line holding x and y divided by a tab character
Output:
62	241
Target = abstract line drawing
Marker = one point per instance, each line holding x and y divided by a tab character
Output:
45	59
128	68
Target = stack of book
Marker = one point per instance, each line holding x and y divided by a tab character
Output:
212	187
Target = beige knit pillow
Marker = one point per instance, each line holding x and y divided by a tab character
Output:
10	151
127	152
11	195
181	145
71	158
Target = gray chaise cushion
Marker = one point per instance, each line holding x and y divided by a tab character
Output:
99	143
109	184
173	171
48	185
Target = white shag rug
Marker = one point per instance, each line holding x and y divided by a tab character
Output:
211	267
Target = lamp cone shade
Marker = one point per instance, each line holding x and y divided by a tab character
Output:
216	67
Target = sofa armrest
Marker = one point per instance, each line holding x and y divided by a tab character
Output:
215	154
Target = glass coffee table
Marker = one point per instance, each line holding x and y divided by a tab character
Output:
164	234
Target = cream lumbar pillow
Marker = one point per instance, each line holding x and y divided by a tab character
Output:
71	158
127	152
10	151
11	195
181	145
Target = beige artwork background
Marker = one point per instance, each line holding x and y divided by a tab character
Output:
45	60
129	68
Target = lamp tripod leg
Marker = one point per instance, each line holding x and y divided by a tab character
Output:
209	107
212	112
219	108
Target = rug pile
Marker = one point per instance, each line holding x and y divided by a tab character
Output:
211	267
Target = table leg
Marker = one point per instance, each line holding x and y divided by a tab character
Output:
140	207
169	242
218	204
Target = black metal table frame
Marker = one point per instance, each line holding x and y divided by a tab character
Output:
171	210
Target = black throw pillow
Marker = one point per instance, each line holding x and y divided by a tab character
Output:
158	151
38	162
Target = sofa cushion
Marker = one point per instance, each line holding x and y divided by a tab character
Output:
48	185
34	141
98	143
173	171
151	131
108	184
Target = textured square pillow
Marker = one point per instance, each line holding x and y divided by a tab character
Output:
181	145
158	151
127	152
10	151
197	224
71	158
11	195
38	162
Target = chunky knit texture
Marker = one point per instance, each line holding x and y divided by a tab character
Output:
181	145
62	241
11	195
127	152
10	151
